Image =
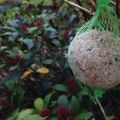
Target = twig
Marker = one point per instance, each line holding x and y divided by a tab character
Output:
113	2
101	108
117	6
84	13
78	6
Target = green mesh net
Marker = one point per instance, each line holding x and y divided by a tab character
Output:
104	18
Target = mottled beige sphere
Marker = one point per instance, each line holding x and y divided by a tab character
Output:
94	56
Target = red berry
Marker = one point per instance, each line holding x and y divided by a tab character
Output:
45	113
16	58
63	113
4	102
17	15
39	23
67	33
24	28
13	60
45	37
71	83
54	5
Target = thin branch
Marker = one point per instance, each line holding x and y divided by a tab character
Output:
92	3
117	4
78	6
102	109
113	2
84	13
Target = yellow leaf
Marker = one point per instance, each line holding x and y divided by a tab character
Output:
33	65
110	117
26	74
42	70
26	3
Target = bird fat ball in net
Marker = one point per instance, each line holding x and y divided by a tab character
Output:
94	53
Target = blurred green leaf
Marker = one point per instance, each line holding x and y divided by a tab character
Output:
83	116
32	30
33	117
11	81
53	118
98	93
3	48
83	91
47	61
62	100
14	115
47	99
14	23
39	104
17	94
6	34
2	66
56	42
75	105
60	87
24	113
29	43
37	2
13	67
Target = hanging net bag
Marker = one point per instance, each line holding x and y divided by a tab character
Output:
94	53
